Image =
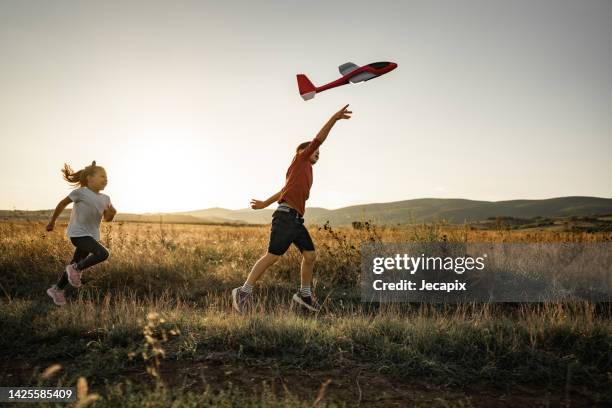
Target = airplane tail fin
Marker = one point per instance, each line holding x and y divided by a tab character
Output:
307	89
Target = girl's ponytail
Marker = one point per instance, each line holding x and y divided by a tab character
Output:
79	178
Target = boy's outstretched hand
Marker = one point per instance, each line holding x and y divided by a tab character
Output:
257	204
343	113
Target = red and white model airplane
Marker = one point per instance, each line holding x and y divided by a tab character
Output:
351	73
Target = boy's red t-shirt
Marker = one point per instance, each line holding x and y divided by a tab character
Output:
299	178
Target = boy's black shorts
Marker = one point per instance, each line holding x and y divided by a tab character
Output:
288	228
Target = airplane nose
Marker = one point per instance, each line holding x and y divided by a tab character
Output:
393	66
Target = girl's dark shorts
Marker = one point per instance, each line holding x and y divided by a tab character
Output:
288	228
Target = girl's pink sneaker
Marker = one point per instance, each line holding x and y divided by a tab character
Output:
57	295
74	275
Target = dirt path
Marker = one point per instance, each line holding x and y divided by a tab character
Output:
359	386
356	387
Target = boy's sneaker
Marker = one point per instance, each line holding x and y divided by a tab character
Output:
240	299
57	295
74	275
308	302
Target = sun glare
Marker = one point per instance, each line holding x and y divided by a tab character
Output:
155	172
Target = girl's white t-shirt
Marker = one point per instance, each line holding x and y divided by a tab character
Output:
87	212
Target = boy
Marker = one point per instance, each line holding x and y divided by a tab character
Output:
288	222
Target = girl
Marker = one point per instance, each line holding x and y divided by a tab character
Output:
84	228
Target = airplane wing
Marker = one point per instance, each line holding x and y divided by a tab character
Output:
347	67
364	76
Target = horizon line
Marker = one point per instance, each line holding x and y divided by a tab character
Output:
343	207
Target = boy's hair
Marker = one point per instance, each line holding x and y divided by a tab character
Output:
302	146
79	178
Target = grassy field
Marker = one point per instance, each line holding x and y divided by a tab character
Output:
153	326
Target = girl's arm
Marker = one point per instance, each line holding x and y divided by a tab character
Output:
109	213
58	211
258	205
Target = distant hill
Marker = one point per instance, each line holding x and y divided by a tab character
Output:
398	212
429	209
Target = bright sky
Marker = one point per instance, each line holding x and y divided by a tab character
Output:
194	104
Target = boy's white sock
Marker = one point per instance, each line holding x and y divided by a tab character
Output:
247	288
305	291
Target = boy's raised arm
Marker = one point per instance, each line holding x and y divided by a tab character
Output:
343	113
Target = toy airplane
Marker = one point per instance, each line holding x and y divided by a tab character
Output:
350	73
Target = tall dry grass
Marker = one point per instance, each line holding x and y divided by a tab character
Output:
184	273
